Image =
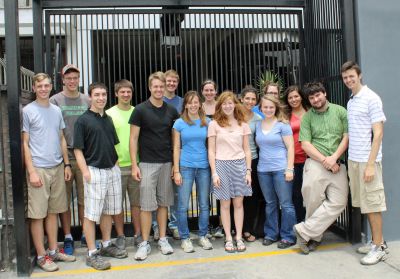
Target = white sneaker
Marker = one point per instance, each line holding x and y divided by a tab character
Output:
187	245
368	247
144	249
165	247
374	256
205	243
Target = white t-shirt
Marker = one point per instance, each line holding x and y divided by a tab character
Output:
363	110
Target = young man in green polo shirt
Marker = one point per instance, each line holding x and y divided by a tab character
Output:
323	136
120	114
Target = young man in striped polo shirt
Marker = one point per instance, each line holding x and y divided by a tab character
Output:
323	136
366	118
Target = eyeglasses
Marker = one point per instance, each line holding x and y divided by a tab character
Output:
71	78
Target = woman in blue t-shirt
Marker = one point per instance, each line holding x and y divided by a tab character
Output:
275	172
191	165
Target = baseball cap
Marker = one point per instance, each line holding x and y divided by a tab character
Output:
69	67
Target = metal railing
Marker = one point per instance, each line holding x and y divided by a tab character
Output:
26	76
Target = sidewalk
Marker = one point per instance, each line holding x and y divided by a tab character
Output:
334	259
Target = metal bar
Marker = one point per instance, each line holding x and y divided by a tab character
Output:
24	261
48	4
37	25
48	44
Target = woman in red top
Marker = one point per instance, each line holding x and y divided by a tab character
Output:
297	106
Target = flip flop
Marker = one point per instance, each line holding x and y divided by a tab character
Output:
230	247
248	237
240	245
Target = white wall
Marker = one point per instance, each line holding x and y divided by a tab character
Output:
379	42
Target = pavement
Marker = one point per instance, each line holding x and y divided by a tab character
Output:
335	258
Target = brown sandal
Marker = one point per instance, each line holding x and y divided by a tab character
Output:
248	237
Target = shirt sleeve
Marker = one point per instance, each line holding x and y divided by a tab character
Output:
25	121
178	125
375	111
212	131
286	130
305	128
246	129
345	123
136	117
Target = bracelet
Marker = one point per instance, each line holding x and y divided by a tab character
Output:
176	171
215	175
290	170
67	165
249	170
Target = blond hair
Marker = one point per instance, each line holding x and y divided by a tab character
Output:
238	113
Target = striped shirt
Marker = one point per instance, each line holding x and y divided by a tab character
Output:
324	130
363	109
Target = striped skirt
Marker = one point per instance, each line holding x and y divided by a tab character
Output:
232	174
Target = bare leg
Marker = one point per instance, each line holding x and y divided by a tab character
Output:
162	217
51	230
81	210
375	223
135	213
37	233
119	223
226	217
145	224
65	219
105	227
238	216
90	233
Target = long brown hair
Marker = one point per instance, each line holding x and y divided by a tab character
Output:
279	109
185	114
238	112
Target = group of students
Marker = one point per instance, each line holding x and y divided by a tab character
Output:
287	149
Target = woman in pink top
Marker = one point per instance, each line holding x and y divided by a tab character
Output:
296	107
230	162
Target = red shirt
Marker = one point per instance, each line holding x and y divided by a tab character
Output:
299	154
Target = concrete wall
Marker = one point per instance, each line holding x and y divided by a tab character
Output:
379	45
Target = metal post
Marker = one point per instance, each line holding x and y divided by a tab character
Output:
38	49
24	266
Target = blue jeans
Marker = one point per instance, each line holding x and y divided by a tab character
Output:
202	178
173	219
278	192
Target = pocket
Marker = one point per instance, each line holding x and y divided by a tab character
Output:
374	193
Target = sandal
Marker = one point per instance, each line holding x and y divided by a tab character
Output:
240	245
248	237
229	246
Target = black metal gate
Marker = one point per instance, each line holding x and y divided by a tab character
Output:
233	47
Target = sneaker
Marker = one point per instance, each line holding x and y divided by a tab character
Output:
366	248
165	247
268	242
68	246
47	264
61	256
144	249
313	245
301	242
83	241
374	256
97	262
218	232
156	231
175	234
113	251
137	239
283	244
120	242
205	243
187	246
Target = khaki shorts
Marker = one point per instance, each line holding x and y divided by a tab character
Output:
78	178
130	185
49	198
370	197
155	186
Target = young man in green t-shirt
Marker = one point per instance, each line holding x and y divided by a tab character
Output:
120	114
